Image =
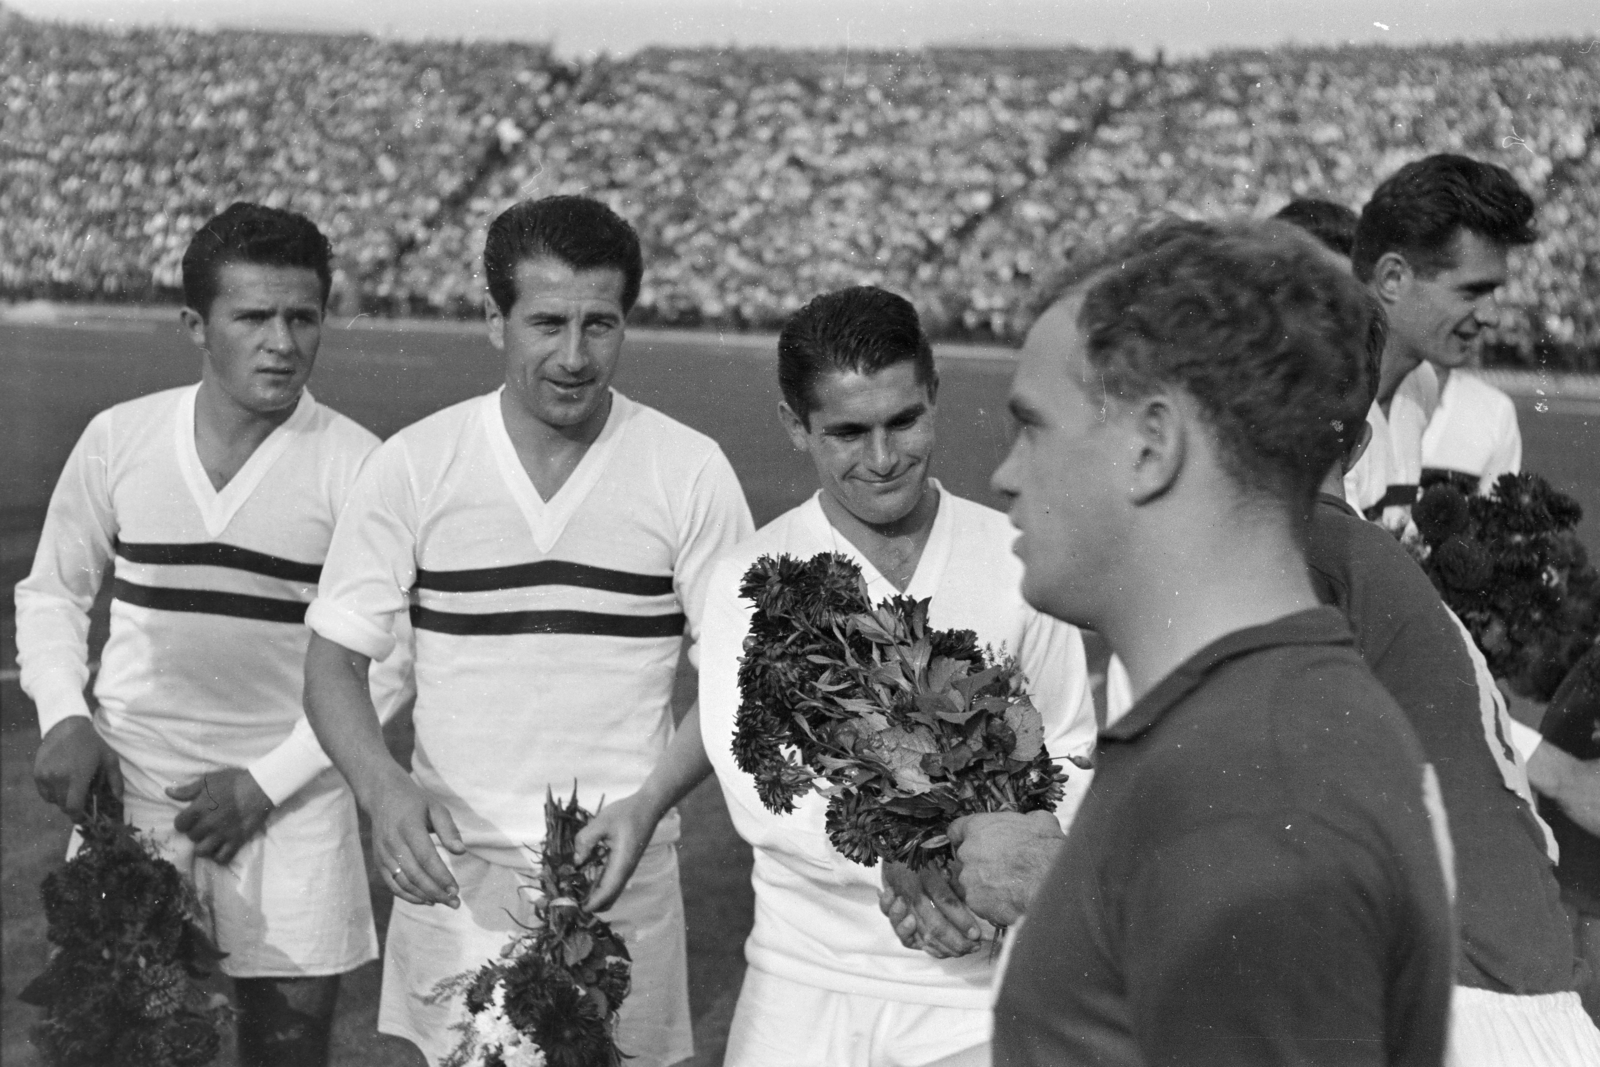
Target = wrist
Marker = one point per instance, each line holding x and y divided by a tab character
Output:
369	784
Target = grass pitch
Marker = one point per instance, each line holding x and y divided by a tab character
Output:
57	377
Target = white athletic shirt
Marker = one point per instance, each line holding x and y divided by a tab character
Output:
547	632
1474	430
1391	468
204	668
817	919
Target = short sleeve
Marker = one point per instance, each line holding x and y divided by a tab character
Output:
716	518
371	564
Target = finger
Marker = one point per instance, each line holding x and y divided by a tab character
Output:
77	794
226	853
111	767
186	820
585	841
425	869
187	791
208	845
445	827
957	832
611	882
951	907
403	891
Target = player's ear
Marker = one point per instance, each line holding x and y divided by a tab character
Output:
194	324
1157	431
1358	449
793	426
496	322
1390	275
933	390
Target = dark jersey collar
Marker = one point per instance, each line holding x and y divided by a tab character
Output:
1314	626
1340	503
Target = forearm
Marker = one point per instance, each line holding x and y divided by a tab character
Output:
339	709
683	766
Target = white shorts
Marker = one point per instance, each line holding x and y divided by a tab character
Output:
1498	1029
429	943
783	1023
294	901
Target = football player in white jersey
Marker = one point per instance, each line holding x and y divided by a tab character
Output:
550	541
215	504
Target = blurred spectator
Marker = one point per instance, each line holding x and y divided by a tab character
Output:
759	178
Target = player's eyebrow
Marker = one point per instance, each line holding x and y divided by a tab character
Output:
906	414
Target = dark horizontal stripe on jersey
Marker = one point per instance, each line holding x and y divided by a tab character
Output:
1398	496
586	623
544	572
217	554
209	602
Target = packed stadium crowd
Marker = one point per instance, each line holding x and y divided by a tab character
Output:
758	177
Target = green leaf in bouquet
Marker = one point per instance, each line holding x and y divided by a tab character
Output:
576	946
1028	728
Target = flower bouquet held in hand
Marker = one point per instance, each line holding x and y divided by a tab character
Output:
1511	566
551	999
903	728
119	987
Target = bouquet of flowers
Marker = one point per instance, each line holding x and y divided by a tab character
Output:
1510	565
907	727
119	987
551	999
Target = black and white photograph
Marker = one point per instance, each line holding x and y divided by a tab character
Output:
799	533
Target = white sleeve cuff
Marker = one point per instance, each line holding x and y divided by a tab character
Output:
288	768
58	699
1525	739
344	627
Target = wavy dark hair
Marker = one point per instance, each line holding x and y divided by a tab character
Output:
862	329
576	230
1419	209
1253	321
252	233
1332	224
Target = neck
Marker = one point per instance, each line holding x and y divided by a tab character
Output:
220	419
1393	370
1212	579
894	548
535	434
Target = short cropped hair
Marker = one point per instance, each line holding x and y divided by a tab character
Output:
252	233
1332	224
582	233
1270	339
863	329
1418	211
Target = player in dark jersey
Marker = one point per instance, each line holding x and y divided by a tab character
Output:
1255	876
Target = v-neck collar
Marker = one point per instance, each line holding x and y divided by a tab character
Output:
217	507
1311	626
930	565
547	519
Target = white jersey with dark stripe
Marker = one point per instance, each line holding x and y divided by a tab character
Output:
548	633
203	668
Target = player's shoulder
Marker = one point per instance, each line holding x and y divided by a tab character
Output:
340	430
436	434
146	408
1482	396
665	437
782	536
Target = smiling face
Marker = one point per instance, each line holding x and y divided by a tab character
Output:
561	338
871	439
1441	319
260	336
1063	475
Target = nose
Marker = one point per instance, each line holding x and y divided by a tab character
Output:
574	354
1486	312
279	337
882	455
1003	480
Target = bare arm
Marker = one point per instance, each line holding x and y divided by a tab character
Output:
626	826
1572	783
339	708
